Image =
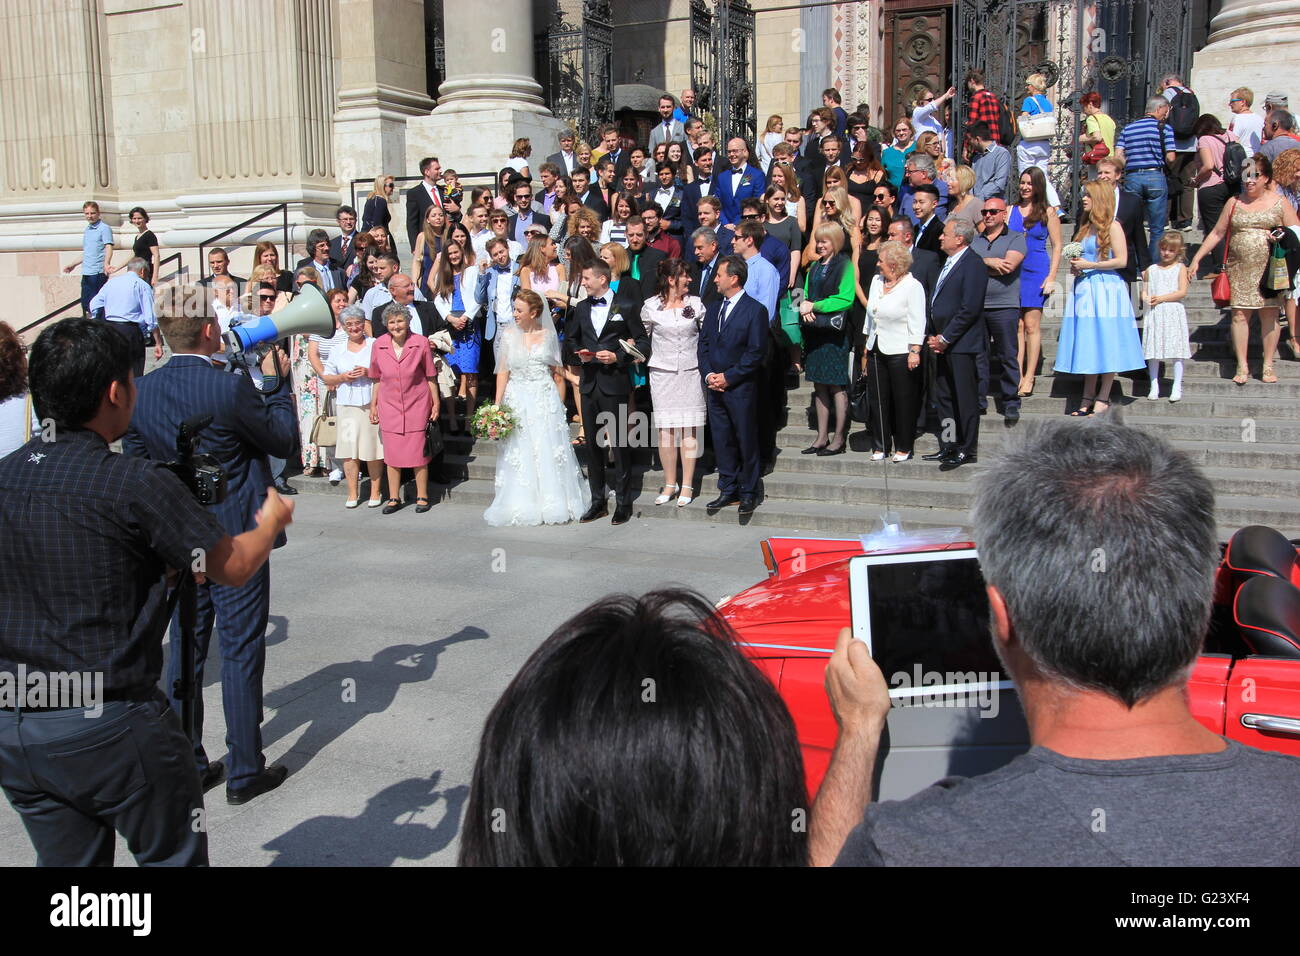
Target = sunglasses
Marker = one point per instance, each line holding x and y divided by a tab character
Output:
928	99
990	212
754	215
272	296
880	197
829	204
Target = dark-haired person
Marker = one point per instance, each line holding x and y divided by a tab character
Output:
126	302
656	235
343	247
96	254
130	769
219	265
329	274
982	107
1211	192
421	196
556	759
991	162
17	418
144	247
925	216
244	431
1101	670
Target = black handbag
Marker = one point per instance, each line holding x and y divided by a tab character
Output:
829	320
432	439
859	403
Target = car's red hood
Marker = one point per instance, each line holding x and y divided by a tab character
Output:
804	611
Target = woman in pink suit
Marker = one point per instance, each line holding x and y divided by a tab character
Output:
404	399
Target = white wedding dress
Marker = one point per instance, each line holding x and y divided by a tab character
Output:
538	480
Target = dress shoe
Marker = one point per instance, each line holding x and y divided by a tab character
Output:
392	506
264	782
1011	413
598	509
957	460
828	451
812	449
747	505
722	501
939	455
285	488
622	514
212	776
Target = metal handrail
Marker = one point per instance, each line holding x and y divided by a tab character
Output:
77	301
282	208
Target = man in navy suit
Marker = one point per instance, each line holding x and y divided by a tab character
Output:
244	430
958	336
738	181
732	344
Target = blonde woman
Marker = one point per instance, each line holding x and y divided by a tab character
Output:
376	211
891	361
835	208
1036	152
961	204
773	133
784	176
583	152
836	178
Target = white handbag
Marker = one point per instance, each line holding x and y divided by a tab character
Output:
1038	126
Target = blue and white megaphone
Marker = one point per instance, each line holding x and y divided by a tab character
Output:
307	314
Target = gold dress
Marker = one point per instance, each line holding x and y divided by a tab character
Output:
1249	248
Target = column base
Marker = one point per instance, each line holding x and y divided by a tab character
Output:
481	144
1216	72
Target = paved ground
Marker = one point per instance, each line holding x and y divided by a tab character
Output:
430	615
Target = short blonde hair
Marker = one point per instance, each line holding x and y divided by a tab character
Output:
833	232
1173	241
619	254
1245	94
1036	82
897	255
965	180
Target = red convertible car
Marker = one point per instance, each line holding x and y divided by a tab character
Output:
954	714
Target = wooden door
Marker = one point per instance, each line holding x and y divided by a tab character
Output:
916	55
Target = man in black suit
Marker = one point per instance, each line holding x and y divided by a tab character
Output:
219	265
612	150
643	261
1129	214
566	159
925	206
423	195
664	191
598	324
318	258
705	184
733	340
425	319
831	153
588	195
958	336
343	247
704	269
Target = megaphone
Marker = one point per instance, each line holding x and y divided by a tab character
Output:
307	314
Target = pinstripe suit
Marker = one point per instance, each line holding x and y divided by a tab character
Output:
244	430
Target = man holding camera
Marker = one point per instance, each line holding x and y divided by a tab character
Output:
86	538
244	431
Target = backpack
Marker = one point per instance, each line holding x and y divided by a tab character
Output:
1184	111
1006	127
1234	159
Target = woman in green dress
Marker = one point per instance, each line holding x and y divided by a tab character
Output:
828	295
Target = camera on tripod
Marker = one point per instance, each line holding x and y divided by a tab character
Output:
202	474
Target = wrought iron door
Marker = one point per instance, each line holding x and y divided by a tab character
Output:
724	69
575	64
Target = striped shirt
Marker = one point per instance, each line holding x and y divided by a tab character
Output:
1141	141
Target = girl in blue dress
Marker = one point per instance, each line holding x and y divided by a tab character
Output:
1042	228
1099	335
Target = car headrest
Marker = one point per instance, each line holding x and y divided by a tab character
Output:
1261	550
1267	610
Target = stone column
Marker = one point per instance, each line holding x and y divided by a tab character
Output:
1251	44
490	97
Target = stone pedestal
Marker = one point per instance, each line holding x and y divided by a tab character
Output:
1252	44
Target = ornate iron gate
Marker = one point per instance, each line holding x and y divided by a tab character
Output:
1120	48
575	64
724	67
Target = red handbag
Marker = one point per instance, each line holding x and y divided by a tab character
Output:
1100	151
1220	287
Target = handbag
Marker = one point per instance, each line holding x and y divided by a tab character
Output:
1276	276
432	439
1038	126
829	320
1100	151
325	429
859	403
1221	287
789	321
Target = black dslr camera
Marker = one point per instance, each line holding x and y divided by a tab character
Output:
202	474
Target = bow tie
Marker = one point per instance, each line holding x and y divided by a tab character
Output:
596	302
501	269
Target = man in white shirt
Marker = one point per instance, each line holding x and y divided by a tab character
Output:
479	233
499	223
566	159
1246	125
423	195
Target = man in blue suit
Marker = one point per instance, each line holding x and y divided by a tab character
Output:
738	181
732	344
958	337
244	430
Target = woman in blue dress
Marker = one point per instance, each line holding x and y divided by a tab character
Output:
1042	228
1099	335
455	288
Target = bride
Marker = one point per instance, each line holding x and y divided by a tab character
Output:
538	480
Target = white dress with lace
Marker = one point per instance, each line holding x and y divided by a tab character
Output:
538	480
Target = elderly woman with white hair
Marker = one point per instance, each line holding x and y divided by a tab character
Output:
346	372
891	360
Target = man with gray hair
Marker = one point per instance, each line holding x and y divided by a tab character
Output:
1279	134
1100	661
704	242
919	170
127	301
1146	147
318	258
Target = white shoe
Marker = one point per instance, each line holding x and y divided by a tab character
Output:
877	456
374	502
351	503
336	476
1155	390
666	497
1176	393
685	499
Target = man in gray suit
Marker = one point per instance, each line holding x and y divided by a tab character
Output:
668	130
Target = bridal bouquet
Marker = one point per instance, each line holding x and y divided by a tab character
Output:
493	422
1072	250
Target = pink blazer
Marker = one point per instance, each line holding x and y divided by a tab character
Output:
404	400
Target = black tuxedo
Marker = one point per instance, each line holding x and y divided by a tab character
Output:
690	204
925	270
737	350
958	316
622	163
709	292
344	259
928	238
815	171
672	213
430	320
605	388
649	269
418	202
1129	214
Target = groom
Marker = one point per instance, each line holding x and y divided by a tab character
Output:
599	322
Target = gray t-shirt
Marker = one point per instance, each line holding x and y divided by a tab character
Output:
1003	290
1232	808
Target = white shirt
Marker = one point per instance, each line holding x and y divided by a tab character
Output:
378	295
599	313
665	196
416	326
479	241
706	187
343	360
14	418
735	180
729	306
505	283
1249	128
570	161
896	320
433	193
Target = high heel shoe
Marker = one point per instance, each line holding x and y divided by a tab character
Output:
666	496
1022	392
684	499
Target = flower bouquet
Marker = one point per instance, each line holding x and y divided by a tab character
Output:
493	422
1071	251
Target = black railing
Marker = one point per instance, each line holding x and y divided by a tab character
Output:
282	208
77	301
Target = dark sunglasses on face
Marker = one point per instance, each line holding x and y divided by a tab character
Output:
990	212
880	197
752	215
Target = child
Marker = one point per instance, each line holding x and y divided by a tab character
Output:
451	191
1164	336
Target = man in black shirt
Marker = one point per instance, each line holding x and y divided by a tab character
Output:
86	538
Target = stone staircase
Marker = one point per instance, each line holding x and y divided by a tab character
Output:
1247	438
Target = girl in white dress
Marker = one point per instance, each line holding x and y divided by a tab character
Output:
1164	336
538	480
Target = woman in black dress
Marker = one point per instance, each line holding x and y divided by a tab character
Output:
865	174
145	246
376	211
874	234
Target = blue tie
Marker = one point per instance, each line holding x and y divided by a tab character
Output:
722	316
